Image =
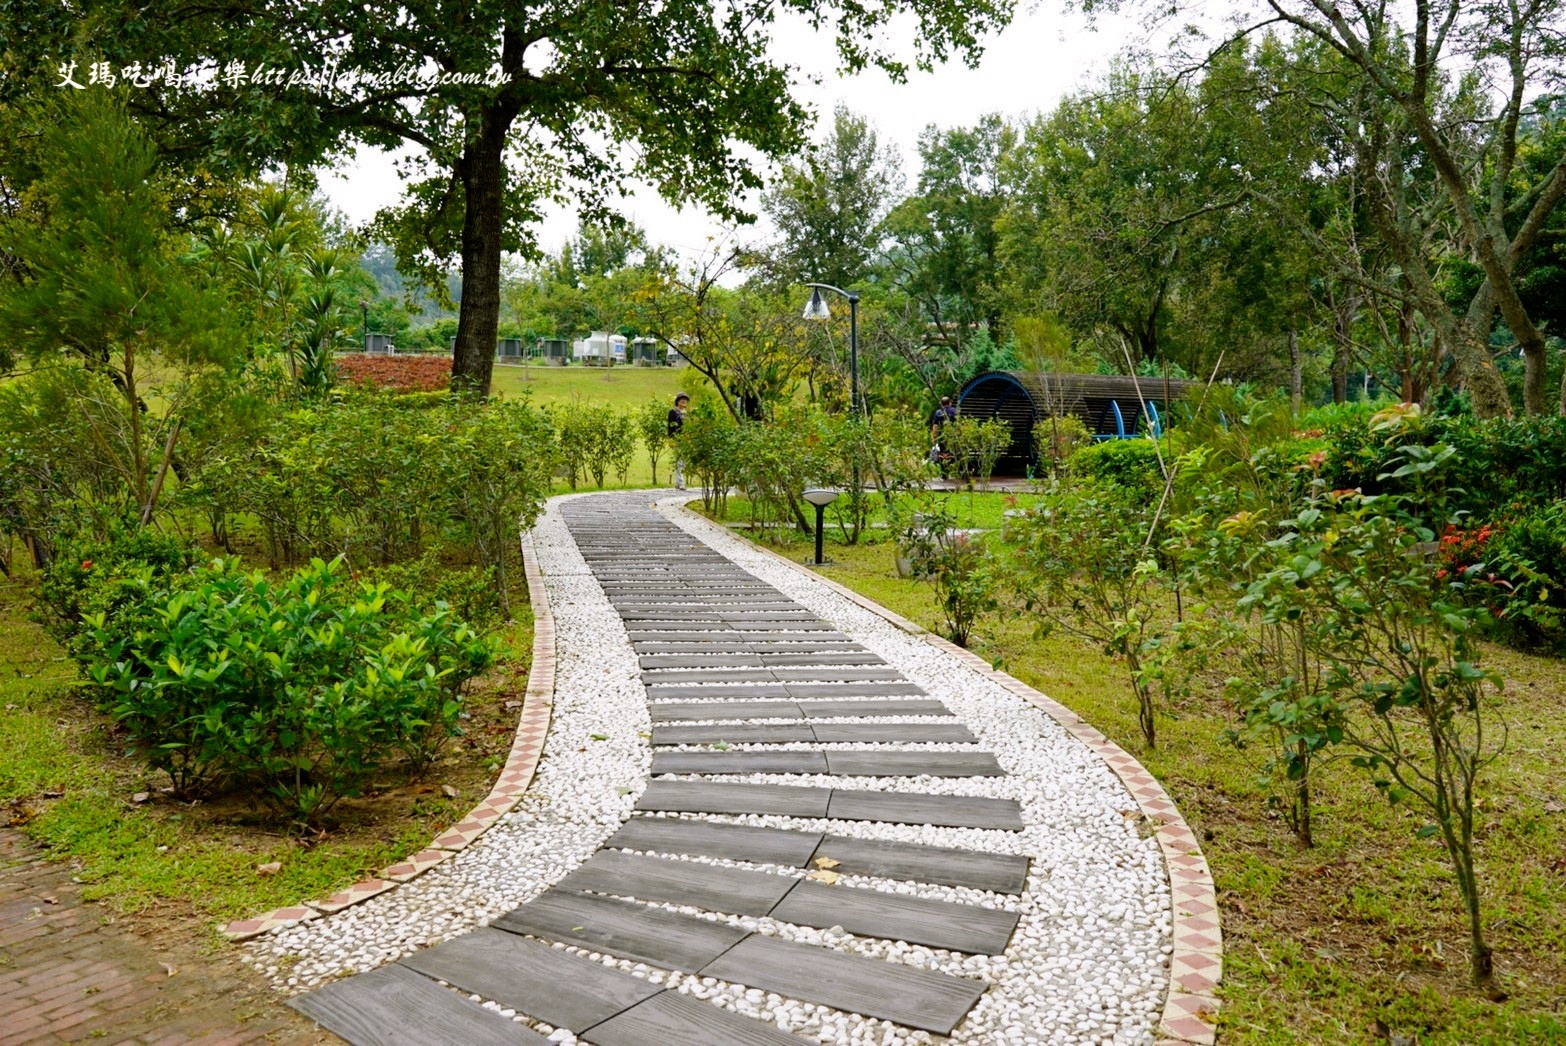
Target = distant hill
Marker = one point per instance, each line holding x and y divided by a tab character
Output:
380	261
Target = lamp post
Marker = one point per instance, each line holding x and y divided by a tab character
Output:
817	310
820	497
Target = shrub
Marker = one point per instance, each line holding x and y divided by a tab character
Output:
1528	558
1128	465
652	424
977	446
773	463
1089	567
303	687
1056	439
378	483
959	566
89	577
706	445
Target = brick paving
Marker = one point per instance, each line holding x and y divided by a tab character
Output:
70	972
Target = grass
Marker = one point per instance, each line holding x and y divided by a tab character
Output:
1362	937
616	386
66	781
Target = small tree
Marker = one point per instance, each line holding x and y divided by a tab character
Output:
959	565
129	341
652	424
1089	570
978	446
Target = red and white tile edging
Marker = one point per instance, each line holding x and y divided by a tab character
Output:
526	748
1196	964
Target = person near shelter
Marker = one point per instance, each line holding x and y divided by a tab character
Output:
682	403
944	415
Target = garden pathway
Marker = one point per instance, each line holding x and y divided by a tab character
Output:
832	843
69	972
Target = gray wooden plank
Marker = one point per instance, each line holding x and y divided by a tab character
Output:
622	928
917	998
886	859
842	709
892	733
733	733
671	1017
667	613
801	625
911	764
738	842
730	660
949	811
895	917
743	692
837	674
549	984
763	762
393	1006
721	674
665	880
685	623
675	711
809	690
722	797
829	657
637	635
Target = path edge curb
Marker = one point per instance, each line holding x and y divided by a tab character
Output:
527	746
1196	963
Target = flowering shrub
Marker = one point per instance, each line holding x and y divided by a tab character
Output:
397	373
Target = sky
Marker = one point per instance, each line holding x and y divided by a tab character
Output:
1041	56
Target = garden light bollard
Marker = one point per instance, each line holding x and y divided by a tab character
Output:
820	497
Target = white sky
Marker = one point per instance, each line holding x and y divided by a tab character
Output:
1043	55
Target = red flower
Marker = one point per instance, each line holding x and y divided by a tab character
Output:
86	564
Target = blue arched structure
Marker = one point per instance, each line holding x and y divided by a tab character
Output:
1111	406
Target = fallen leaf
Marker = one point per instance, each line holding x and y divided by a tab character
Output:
141	797
824	876
1554	806
512	704
170	970
271	868
449	792
826	862
599	737
575	929
53	795
721	746
51	900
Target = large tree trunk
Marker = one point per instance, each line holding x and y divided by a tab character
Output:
483	181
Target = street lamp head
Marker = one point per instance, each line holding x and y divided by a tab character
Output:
817	308
821	496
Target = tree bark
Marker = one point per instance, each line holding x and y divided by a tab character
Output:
482	170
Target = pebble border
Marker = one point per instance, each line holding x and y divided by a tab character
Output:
521	763
1196	964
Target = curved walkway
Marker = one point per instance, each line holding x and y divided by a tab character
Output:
850	835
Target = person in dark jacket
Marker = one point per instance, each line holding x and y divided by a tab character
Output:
682	403
944	415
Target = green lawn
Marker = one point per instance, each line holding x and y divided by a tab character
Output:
1362	935
617	386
